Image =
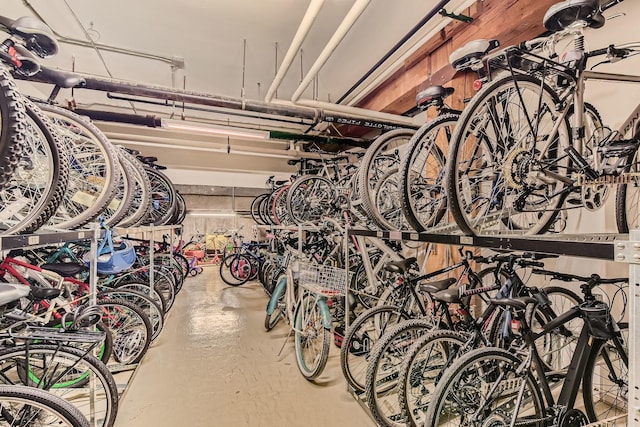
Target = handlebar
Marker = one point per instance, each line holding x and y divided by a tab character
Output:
593	280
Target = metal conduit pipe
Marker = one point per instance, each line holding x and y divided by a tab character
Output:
91	45
155	122
160	142
352	16
298	39
109	116
371	120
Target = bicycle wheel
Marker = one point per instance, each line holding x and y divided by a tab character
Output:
483	386
56	369
255	209
310	198
139	206
423	366
145	303
183	263
503	160
384	153
235	269
118	208
558	347
131	329
605	385
360	338
163	198
12	126
94	168
312	339
22	406
388	206
278	301
39	180
387	356
422	182
628	199
277	202
143	288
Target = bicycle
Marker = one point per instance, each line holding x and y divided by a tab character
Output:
515	163
514	387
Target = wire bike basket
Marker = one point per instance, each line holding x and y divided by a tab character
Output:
323	279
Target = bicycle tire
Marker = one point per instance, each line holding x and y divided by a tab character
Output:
129	345
163	198
23	406
382	154
424	201
387	356
422	368
69	361
153	311
308	325
613	387
39	180
388	208
310	198
627	208
359	340
255	209
493	193
124	195
12	126
89	192
140	204
238	262
497	363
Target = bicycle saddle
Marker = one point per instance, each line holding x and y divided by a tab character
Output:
44	293
471	53
562	15
433	95
451	296
10	293
519	303
37	36
438	285
62	78
65	269
401	266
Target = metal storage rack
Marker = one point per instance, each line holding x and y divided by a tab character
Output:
623	248
59	237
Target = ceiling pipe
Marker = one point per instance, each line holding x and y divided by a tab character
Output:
305	25
353	116
110	116
160	142
352	16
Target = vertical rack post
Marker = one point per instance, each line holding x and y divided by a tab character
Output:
634	331
93	299
151	263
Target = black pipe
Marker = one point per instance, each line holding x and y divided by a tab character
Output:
397	46
110	116
206	110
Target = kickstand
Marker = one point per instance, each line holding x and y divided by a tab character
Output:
285	341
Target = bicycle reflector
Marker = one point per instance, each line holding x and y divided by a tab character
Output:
477	85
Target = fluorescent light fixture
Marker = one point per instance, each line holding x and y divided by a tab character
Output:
182	125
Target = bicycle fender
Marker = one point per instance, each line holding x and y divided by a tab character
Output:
327	322
277	293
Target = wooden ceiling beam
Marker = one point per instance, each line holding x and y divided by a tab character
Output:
509	21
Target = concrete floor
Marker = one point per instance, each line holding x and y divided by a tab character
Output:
214	365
